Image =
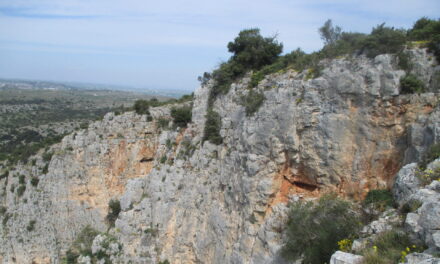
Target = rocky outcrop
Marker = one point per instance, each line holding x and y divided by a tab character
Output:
189	201
340	257
423	223
87	169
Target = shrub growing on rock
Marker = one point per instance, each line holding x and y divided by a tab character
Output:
141	107
20	190
114	208
411	84
213	125
314	229
252	101
251	51
82	245
431	154
389	247
380	198
181	116
384	40
35	181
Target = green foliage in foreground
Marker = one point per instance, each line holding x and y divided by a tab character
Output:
389	247
314	229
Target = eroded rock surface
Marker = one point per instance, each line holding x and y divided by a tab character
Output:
189	201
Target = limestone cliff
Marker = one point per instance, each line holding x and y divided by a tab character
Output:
348	130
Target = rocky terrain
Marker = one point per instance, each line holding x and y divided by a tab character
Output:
187	201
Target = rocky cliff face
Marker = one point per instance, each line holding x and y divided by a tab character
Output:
189	201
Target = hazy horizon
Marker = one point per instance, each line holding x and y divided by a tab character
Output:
145	44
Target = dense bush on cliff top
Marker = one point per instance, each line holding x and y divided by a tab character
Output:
251	51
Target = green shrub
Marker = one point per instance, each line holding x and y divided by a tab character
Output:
329	33
31	226
3	210
186	149
83	243
45	169
427	176
114	208
404	61
35	181
384	40
314	229
21	179
181	116
389	247
411	84
141	107
47	156
163	159
380	198
430	155
410	206
424	29
4	175
20	190
213	125
250	51
163	123
151	231
71	257
6	218
434	46
348	43
252	101
253	51
205	78
84	125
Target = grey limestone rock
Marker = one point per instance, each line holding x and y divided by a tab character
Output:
188	201
340	257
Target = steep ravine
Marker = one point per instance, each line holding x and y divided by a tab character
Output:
347	131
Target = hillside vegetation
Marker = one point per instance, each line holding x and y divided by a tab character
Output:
260	55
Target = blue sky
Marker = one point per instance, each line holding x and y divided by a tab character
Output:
167	44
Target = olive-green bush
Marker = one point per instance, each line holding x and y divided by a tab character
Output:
314	228
213	125
181	116
411	84
114	208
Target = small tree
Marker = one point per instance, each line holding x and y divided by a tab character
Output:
329	33
253	51
114	208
